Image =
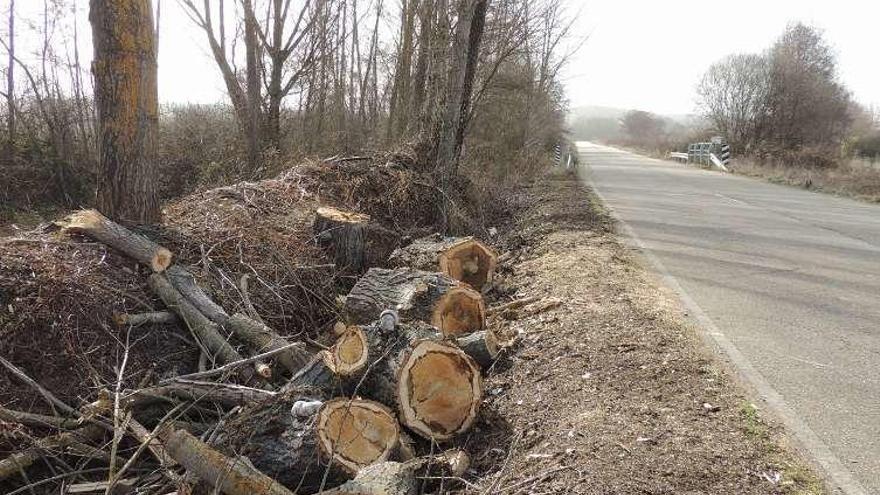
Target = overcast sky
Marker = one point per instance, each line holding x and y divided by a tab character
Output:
650	54
645	54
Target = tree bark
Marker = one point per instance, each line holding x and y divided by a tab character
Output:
135	246
231	476
461	258
452	307
204	330
464	57
261	338
297	445
10	82
252	59
126	102
185	282
475	38
403	478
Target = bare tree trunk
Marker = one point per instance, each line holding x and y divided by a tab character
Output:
10	79
126	98
478	24
400	99
463	61
421	70
252	49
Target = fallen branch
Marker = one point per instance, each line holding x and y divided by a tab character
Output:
135	246
261	338
37	420
185	283
204	330
231	476
149	318
230	366
227	394
24	458
532	309
512	305
50	398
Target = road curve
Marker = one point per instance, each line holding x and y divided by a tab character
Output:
785	281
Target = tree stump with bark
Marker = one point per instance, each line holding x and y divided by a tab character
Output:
356	243
343	232
452	307
304	449
462	258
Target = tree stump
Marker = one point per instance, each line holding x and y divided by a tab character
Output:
462	258
356	243
452	307
342	232
343	436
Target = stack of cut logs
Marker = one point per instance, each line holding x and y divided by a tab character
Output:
360	416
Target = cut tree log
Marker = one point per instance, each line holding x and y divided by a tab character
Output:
260	338
332	370
435	386
185	282
403	478
356	243
206	332
135	246
447	304
462	258
307	451
231	476
482	346
148	318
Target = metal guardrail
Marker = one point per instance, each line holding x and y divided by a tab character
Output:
706	154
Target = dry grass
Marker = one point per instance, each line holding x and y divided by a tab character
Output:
859	179
614	392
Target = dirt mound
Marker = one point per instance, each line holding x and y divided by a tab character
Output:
59	293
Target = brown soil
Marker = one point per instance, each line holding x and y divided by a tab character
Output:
613	392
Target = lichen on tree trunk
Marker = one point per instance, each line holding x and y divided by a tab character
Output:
126	102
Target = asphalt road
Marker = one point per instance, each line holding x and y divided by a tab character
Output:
786	281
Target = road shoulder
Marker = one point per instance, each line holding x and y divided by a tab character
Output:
613	391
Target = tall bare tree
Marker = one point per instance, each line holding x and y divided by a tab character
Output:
733	96
462	56
10	79
126	100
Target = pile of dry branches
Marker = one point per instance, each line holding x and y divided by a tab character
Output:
227	360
